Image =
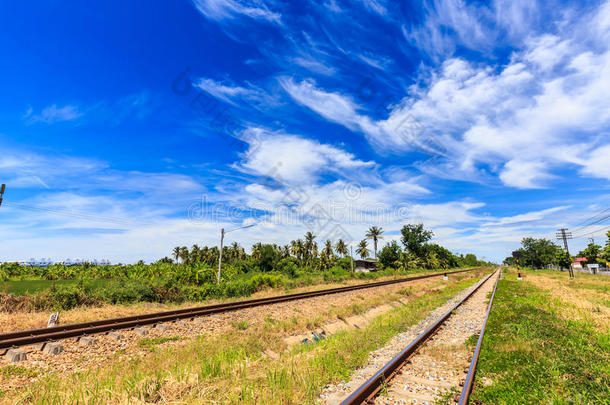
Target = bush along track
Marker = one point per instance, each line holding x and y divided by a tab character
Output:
533	353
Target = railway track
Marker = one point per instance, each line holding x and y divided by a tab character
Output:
402	373
33	336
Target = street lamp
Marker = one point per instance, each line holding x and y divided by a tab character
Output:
222	237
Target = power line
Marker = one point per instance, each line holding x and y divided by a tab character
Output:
602	229
593	223
76	214
590	218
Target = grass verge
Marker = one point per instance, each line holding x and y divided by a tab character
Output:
533	353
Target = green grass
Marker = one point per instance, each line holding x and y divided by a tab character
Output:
33	286
150	343
240	325
12	371
531	354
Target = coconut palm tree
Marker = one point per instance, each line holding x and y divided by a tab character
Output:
195	254
374	233
184	254
309	246
362	249
341	247
256	250
297	248
176	253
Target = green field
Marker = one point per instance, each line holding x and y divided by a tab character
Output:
34	286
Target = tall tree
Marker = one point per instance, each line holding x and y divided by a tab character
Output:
562	259
195	254
184	254
309	247
341	247
374	233
591	252
390	255
415	238
362	249
176	253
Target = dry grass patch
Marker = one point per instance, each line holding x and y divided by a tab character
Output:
576	302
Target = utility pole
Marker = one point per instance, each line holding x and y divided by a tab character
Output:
2	187
351	257
562	234
222	238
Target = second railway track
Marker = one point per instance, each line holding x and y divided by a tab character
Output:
33	336
435	362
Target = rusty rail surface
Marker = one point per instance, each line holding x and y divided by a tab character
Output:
27	337
472	370
367	391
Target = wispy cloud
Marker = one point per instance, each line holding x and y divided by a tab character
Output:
230	9
53	114
547	107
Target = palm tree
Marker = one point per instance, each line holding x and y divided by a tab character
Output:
184	254
341	247
362	249
297	248
195	254
176	253
309	246
374	233
256	250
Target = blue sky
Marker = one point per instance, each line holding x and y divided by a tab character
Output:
127	128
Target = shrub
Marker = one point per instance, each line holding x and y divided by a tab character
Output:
126	291
288	266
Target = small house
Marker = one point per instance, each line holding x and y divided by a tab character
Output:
365	266
578	263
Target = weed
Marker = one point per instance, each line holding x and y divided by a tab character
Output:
150	343
14	371
240	325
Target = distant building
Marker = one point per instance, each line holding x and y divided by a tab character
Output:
578	263
39	262
365	266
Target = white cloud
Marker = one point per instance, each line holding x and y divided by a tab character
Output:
547	108
335	107
293	159
527	217
597	163
230	9
447	23
53	114
524	174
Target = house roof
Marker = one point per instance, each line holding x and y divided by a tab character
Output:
580	259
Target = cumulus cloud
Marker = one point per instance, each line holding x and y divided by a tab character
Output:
294	159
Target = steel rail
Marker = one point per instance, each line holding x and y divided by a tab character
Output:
367	391
27	337
472	370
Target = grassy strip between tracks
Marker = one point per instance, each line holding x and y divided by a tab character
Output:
240	366
539	349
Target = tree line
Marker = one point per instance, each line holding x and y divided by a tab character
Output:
539	253
416	252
